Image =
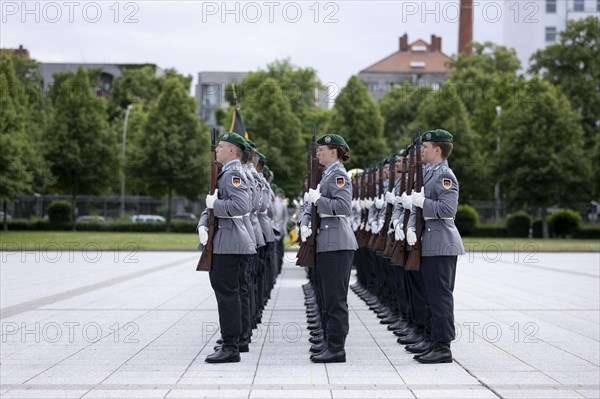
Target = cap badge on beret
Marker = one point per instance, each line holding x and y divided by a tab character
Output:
428	136
225	136
327	139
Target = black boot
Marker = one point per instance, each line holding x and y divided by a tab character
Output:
420	347
404	332
440	353
315	333
316	339
335	352
227	353
319	347
411	339
398	325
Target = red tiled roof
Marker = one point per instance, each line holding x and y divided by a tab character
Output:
400	61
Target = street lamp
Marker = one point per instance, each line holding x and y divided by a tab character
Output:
123	140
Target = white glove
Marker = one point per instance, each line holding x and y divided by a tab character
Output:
314	194
418	198
390	198
399	232
406	201
379	202
305	232
306	197
203	234
375	227
368	202
367	227
391	229
411	236
355	226
210	199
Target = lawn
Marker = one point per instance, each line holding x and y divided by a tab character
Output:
44	240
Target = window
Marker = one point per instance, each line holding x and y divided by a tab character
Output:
550	34
578	5
598	5
551	6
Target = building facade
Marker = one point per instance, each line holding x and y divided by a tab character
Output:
533	25
419	63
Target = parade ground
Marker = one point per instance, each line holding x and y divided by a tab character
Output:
103	324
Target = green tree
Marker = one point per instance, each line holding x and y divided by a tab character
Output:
80	146
445	110
357	118
399	109
573	66
277	132
171	156
15	178
542	151
138	85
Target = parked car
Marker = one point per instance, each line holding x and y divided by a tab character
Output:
8	217
185	216
90	218
147	218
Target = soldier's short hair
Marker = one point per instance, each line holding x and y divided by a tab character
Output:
445	146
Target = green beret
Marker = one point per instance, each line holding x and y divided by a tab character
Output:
251	143
333	139
266	169
401	153
438	135
280	190
408	149
261	156
234	138
386	160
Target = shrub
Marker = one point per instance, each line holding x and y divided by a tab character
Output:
490	230
60	213
564	223
466	220
588	232
518	225
537	228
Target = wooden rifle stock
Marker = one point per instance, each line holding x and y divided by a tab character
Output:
308	255
414	258
205	262
361	234
382	239
401	248
376	195
391	242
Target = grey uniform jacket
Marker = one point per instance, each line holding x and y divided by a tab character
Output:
440	236
231	236
258	234
265	207
334	208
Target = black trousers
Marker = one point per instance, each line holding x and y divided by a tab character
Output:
401	292
225	278
260	278
439	274
333	274
417	299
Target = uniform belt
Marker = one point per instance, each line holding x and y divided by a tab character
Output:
231	217
263	212
426	219
323	215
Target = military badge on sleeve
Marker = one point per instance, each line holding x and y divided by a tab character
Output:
447	183
340	181
236	181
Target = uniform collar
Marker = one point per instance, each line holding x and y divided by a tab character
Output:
331	167
233	164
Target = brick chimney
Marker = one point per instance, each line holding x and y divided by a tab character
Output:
465	30
436	44
404	43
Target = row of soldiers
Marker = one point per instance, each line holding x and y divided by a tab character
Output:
406	256
247	246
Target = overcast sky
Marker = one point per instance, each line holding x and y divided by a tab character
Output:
337	38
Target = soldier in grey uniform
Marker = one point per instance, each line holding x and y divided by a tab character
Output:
335	244
441	243
232	244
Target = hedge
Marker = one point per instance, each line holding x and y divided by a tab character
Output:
44	225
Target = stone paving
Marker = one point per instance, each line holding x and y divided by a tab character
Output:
139	325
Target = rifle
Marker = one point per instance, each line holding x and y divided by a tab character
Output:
414	258
391	244
307	255
205	262
380	244
401	248
360	234
378	193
